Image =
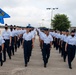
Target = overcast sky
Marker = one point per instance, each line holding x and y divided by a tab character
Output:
23	12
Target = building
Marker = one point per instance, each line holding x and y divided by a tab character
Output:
73	28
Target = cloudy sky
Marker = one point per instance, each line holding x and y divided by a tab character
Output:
23	12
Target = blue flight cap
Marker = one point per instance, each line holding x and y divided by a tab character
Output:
72	31
46	29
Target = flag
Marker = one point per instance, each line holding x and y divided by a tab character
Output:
3	14
1	21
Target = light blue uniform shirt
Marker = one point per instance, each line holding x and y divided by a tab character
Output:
65	38
41	34
28	36
45	38
34	32
16	32
6	34
12	33
62	37
71	40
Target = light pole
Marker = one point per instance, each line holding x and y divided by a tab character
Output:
51	14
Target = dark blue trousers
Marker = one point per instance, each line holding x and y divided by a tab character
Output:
21	39
60	48
0	54
18	43
12	45
6	49
15	43
27	51
64	53
56	43
46	53
71	54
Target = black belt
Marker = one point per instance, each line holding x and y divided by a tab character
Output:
64	42
6	39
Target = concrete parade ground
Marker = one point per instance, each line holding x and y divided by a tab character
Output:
56	66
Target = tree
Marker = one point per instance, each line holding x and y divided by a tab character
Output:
61	22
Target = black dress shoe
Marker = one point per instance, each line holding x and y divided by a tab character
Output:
1	63
64	60
44	65
70	67
25	65
9	57
4	61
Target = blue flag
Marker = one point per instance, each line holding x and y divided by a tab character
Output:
3	14
1	21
